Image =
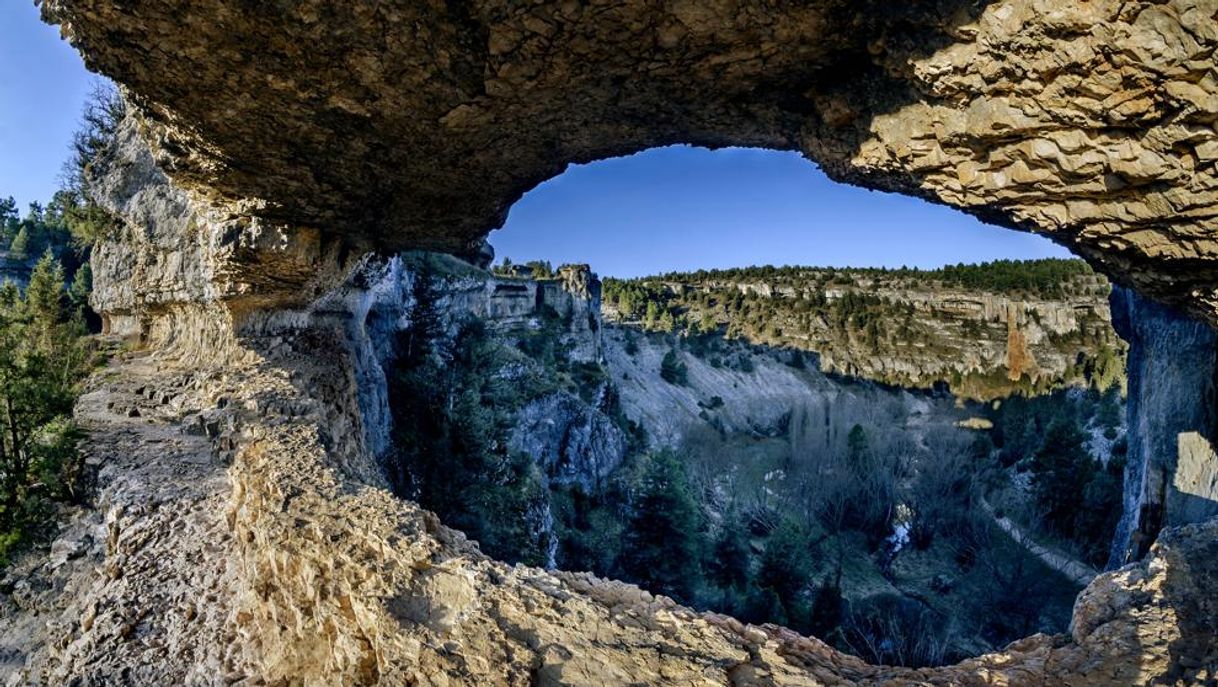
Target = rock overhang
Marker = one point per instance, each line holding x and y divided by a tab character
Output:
296	125
416	125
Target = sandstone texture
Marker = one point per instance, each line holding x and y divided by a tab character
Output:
244	534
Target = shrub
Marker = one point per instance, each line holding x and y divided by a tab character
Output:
892	630
673	370
44	356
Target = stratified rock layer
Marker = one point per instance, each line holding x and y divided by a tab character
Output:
982	343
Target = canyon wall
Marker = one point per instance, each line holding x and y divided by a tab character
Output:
921	333
766	399
1173	416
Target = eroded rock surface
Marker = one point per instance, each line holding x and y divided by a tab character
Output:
134	583
300	134
1173	411
982	344
410	124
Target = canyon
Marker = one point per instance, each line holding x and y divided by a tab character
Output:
278	157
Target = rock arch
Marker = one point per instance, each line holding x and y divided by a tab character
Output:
418	124
299	135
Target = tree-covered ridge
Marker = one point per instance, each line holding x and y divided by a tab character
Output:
45	348
966	326
1046	278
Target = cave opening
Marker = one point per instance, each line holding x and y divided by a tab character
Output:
905	443
264	193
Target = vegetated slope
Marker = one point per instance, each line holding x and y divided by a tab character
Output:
882	489
727	475
987	331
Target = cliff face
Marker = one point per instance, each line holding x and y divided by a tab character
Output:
1173	417
913	331
571	438
573	441
765	399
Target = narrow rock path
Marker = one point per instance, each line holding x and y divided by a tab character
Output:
136	584
1077	571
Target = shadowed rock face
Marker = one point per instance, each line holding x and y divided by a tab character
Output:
288	137
420	122
1169	474
407	124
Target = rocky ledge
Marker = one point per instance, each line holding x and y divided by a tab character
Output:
229	546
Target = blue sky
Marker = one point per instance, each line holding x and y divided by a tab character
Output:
43	86
684	208
677	208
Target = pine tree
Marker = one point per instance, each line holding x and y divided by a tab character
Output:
425	325
43	356
666	323
672	369
856	445
652	318
662	546
728	566
45	300
1060	472
827	608
82	286
786	565
8	219
12	306
21	243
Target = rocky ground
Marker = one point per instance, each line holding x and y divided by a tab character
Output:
136	580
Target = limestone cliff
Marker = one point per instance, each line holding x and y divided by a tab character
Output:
766	399
1169	478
